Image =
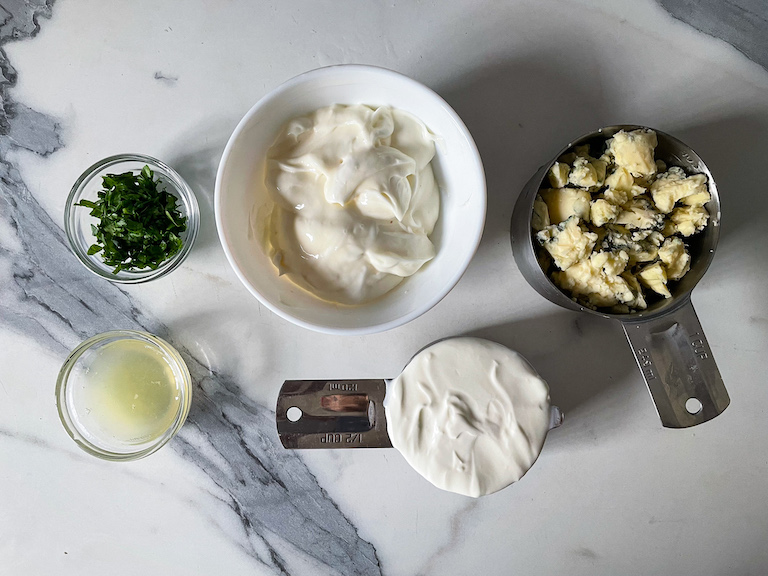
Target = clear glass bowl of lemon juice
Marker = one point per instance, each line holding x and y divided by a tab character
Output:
122	395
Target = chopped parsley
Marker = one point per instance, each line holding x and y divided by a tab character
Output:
139	224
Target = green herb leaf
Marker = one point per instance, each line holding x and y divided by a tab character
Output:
139	224
87	204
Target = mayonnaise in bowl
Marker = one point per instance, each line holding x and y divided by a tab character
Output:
355	201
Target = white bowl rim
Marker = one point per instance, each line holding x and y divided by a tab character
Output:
371	328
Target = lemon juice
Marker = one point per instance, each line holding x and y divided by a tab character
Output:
130	391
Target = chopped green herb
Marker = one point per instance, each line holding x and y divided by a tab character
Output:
139	224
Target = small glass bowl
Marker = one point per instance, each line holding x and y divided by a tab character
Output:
87	405
78	219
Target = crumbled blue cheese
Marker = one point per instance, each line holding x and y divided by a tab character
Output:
621	187
641	246
621	197
587	172
674	185
558	175
567	242
596	281
640	213
655	278
602	212
639	302
686	220
562	203
583	173
653	236
697	198
634	151
612	225
611	263
620	179
675	258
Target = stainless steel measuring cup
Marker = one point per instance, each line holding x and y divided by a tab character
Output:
667	339
341	413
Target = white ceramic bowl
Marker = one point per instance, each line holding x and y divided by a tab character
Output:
241	199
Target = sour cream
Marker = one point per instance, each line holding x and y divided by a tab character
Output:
355	201
469	415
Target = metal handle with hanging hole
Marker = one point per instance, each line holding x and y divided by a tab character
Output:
678	366
332	414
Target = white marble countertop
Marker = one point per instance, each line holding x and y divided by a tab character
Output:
613	492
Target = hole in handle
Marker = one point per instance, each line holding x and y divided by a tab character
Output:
293	413
693	405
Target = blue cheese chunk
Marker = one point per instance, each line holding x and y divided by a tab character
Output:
634	151
686	220
655	278
597	282
674	185
640	213
639	302
567	242
562	203
619	197
587	172
696	199
558	175
675	258
621	187
620	179
654	237
611	263
583	173
640	245
602	212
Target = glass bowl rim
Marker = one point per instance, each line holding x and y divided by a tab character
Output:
171	354
182	190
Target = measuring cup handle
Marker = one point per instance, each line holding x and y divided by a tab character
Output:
678	367
556	417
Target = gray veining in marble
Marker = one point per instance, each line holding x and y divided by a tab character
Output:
278	500
741	23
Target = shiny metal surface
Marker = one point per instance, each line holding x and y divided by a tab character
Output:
666	338
678	367
334	414
556	417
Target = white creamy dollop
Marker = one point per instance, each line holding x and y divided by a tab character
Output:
355	201
469	415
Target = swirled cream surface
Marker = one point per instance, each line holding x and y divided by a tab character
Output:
469	415
355	201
